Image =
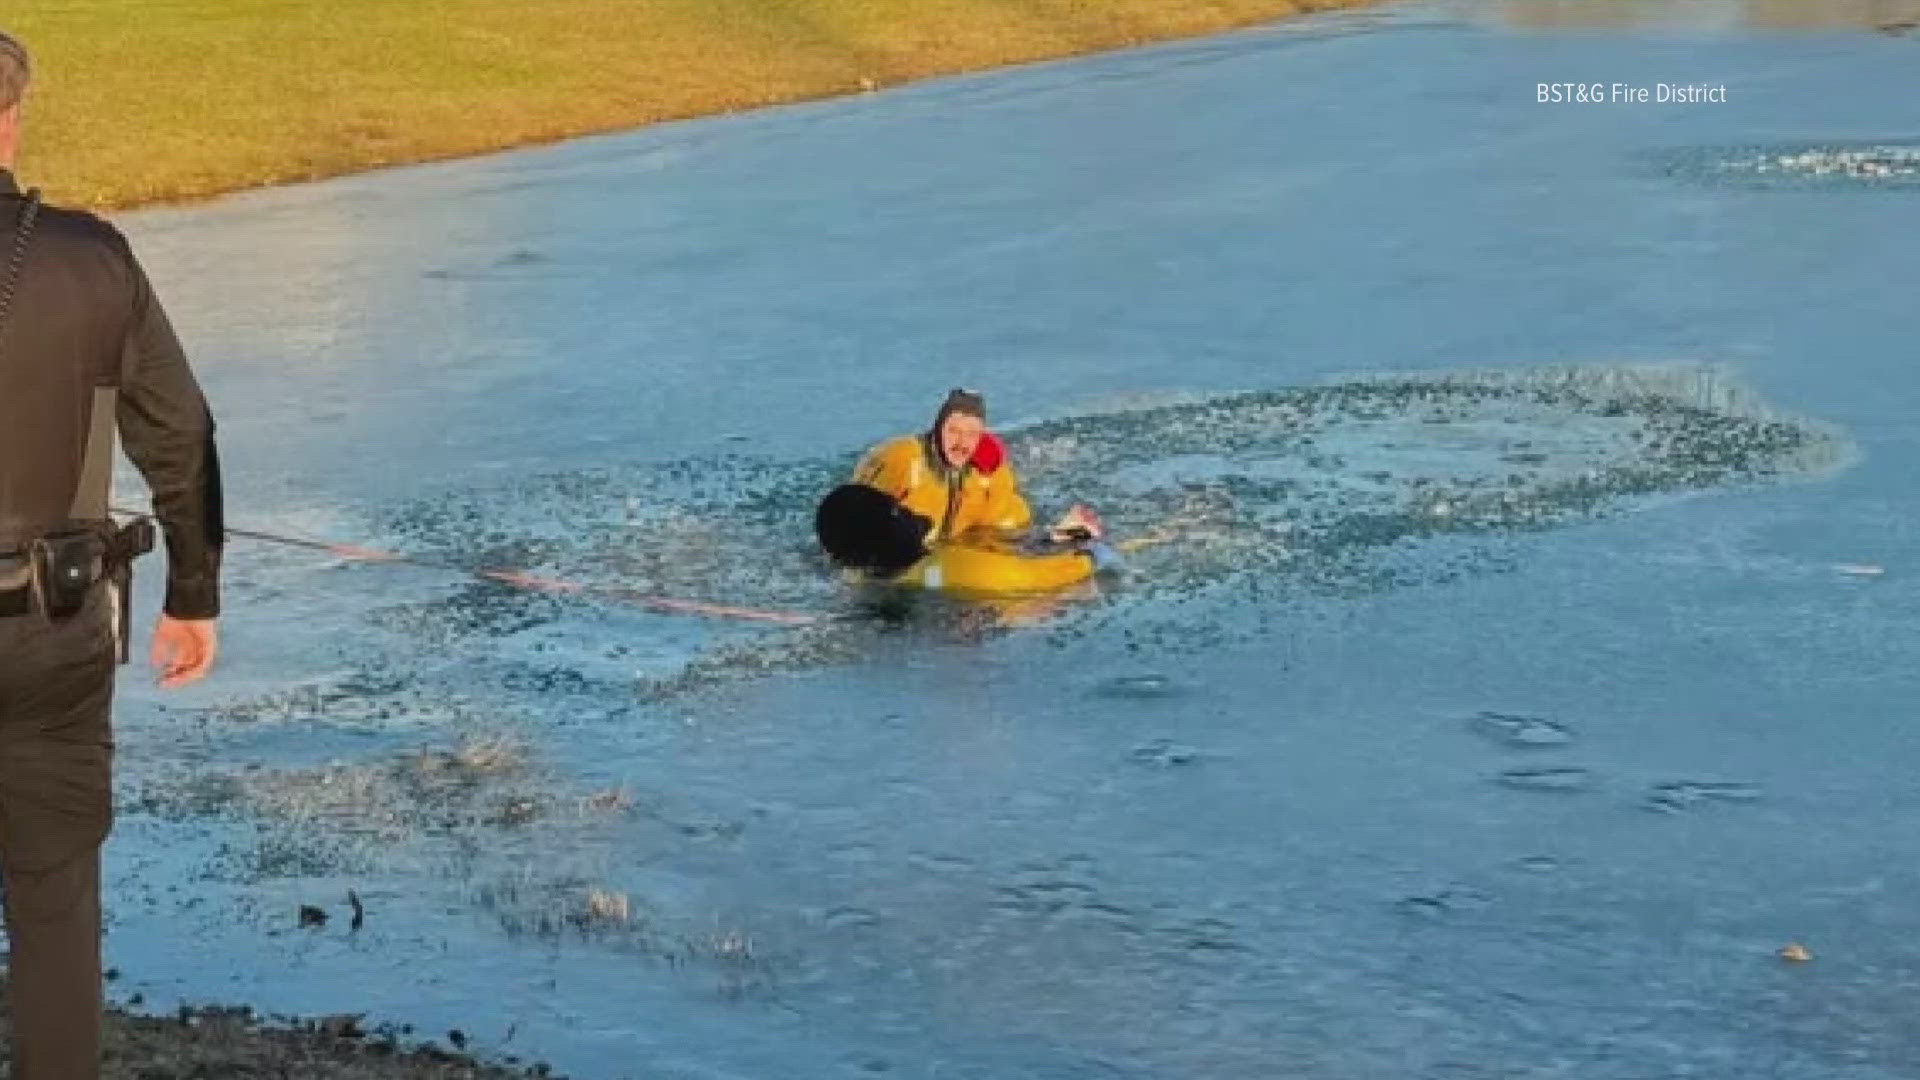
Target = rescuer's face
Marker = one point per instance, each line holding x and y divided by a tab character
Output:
959	437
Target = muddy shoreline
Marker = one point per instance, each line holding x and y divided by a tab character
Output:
214	1040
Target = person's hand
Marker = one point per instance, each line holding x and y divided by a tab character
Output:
183	649
1078	523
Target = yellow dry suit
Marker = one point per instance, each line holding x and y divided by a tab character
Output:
978	516
961	503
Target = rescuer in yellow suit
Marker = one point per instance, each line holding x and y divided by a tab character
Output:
954	474
952	516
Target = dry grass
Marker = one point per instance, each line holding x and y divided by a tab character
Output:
148	100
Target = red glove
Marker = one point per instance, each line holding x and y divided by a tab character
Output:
989	454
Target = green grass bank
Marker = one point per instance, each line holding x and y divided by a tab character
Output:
139	101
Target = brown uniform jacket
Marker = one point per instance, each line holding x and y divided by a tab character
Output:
85	316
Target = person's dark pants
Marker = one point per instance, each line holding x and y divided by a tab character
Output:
56	804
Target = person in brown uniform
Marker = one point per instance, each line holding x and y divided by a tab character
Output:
85	350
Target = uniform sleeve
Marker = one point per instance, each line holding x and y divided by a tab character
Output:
167	431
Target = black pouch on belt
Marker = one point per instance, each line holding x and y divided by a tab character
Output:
130	541
65	566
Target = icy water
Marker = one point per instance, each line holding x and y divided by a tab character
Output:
1518	655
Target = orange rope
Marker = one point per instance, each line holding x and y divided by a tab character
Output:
520	579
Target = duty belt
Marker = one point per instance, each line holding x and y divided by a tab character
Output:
33	579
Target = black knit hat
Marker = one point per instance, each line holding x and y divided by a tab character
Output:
960	401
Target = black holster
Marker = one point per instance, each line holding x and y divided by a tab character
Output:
68	564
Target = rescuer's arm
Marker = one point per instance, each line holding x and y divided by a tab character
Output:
1006	512
883	470
167	431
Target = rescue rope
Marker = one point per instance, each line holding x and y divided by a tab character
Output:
520	579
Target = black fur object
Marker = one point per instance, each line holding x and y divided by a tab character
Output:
866	529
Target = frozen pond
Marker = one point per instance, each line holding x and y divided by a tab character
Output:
1524	655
